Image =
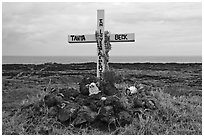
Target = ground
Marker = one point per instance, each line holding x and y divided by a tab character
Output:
179	88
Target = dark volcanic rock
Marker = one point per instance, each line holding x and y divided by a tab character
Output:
81	99
83	84
52	100
69	93
94	102
68	112
53	111
138	103
85	115
108	88
115	102
106	114
44	130
124	118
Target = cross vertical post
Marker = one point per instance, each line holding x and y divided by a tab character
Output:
100	38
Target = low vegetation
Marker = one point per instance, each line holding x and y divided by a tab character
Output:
179	102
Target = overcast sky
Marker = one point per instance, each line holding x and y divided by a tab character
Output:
161	29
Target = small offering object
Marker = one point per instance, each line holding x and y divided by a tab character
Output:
103	98
131	90
93	89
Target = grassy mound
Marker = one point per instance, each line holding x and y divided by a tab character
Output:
175	115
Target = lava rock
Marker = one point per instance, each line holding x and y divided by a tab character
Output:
106	114
125	102
85	115
51	100
53	111
94	102
69	93
84	89
68	112
44	130
124	118
108	88
81	99
115	102
138	103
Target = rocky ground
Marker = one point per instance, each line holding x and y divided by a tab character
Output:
177	89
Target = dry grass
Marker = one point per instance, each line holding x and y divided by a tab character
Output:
175	116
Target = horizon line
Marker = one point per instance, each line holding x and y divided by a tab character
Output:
96	56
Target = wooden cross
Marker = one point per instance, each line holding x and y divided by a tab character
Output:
101	38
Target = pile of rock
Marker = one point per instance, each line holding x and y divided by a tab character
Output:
99	103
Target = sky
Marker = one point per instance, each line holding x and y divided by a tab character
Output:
161	29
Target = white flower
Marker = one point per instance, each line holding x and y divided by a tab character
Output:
132	90
93	89
103	98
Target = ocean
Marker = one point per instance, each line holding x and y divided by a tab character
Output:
113	59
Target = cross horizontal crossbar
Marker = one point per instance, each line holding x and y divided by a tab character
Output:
125	37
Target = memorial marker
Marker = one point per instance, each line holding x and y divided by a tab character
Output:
91	38
100	38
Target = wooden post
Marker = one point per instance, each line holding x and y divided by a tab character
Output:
100	38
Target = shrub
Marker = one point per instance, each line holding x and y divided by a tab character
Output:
111	77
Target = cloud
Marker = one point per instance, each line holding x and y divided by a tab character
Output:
42	28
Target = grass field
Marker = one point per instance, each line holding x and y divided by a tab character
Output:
178	88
